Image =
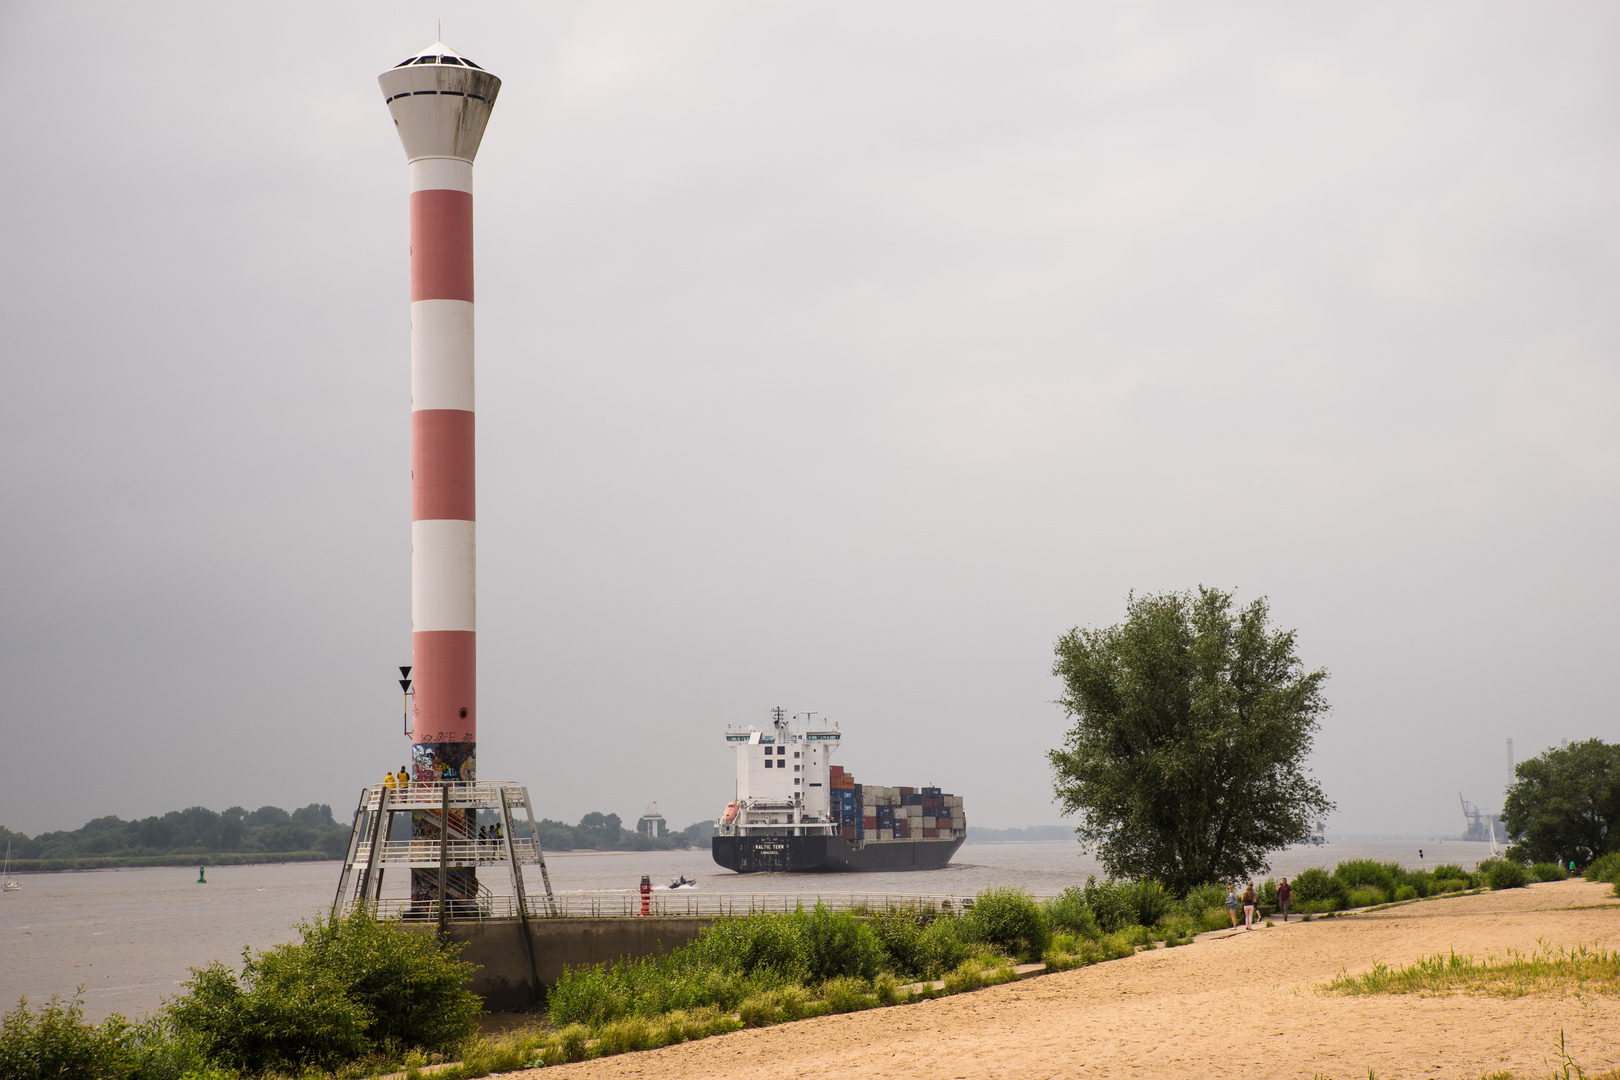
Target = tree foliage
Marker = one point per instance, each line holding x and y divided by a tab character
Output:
601	832
347	987
1565	804
1192	722
196	830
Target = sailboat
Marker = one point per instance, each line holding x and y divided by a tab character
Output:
1494	850
10	886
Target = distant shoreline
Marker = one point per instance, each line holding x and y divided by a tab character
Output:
139	862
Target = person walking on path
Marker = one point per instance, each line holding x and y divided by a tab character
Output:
1285	892
1248	907
1232	903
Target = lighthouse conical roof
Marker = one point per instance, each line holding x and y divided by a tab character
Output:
435	54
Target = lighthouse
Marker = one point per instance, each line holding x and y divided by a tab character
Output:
440	102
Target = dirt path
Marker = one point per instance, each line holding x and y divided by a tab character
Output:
1239	1005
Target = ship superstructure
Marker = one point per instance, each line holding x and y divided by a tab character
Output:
796	811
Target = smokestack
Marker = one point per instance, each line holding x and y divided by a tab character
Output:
440	103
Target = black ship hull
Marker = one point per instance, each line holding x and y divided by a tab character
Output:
829	854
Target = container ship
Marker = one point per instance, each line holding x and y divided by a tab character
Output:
797	812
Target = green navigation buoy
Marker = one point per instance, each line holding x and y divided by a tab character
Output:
202	879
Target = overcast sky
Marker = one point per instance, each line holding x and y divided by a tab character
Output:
831	355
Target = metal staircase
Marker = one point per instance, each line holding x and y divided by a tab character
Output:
371	852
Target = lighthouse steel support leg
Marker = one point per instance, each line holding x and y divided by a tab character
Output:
517	889
540	855
444	852
356	830
379	824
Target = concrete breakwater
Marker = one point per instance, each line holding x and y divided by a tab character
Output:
507	982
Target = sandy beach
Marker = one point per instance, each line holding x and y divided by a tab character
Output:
1243	1004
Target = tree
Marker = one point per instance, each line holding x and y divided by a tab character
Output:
347	987
597	829
1565	804
1192	722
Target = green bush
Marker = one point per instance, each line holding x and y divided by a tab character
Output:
837	944
1362	873
1010	920
347	987
59	1044
1548	871
1366	896
286	1024
1603	868
900	931
1453	872
1068	912
1149	901
944	946
1123	943
1501	874
1206	896
1317	890
1112	903
587	996
754	942
1406	892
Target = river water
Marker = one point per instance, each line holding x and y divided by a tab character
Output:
130	937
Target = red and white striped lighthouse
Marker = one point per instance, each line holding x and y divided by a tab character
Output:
441	102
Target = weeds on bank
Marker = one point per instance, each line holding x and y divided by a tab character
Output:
1547	972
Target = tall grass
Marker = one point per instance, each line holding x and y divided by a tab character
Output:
1546	972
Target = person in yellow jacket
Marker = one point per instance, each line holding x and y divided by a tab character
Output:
388	780
404	778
